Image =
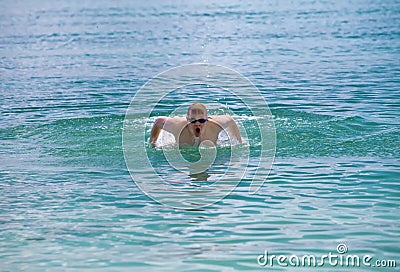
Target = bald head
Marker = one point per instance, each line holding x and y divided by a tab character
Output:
197	109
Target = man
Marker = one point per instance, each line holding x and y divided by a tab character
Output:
196	127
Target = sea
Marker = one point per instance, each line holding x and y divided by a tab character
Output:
328	73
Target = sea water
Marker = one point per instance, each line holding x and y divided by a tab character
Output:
329	71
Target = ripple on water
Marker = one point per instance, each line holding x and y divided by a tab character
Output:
329	71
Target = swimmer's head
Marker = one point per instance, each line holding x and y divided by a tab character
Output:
197	118
197	109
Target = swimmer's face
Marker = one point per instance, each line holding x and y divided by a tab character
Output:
197	120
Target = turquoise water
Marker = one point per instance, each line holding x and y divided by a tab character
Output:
329	71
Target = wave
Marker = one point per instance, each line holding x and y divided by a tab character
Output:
303	134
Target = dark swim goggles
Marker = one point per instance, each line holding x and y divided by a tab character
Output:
201	120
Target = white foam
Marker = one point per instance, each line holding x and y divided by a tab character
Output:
225	138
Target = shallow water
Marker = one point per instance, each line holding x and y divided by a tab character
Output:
328	70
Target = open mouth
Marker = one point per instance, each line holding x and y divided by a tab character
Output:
197	132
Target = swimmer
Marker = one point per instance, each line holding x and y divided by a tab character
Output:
196	127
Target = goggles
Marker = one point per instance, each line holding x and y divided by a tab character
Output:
201	120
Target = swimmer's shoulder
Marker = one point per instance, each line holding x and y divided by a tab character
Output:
175	124
219	118
177	119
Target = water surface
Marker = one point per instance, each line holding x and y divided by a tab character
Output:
68	71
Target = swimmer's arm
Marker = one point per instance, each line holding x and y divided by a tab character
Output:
235	130
172	125
227	122
155	131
